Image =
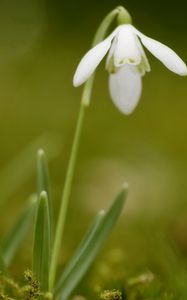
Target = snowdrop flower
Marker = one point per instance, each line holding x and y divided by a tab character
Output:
126	63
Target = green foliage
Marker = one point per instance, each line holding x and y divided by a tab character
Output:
41	249
42	173
14	237
83	245
43	181
21	167
90	247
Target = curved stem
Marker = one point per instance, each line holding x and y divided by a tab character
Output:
99	36
65	198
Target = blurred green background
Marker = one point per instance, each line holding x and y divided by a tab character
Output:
41	43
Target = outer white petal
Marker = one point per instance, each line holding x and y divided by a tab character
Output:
125	88
165	54
111	53
126	50
91	60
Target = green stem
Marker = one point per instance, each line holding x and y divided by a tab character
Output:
99	36
65	197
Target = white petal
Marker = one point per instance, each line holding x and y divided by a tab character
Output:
111	53
126	50
91	60
166	55
125	88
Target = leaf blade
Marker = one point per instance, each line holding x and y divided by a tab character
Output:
84	243
11	243
66	284
43	181
41	247
19	168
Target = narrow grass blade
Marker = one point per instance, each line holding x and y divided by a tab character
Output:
43	181
84	244
42	173
19	169
41	249
11	243
89	249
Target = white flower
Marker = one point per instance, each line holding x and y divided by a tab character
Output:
126	63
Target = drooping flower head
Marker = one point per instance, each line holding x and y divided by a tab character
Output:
126	63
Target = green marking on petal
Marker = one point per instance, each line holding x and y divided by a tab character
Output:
111	67
132	60
144	66
122	62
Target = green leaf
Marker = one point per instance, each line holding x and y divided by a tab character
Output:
89	248
19	169
13	239
43	181
42	173
41	249
84	244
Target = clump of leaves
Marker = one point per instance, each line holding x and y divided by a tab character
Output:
40	209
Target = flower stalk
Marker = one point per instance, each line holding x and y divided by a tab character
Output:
65	197
86	95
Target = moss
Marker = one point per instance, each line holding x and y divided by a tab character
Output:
30	290
111	295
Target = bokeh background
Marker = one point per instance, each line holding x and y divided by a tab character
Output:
41	43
